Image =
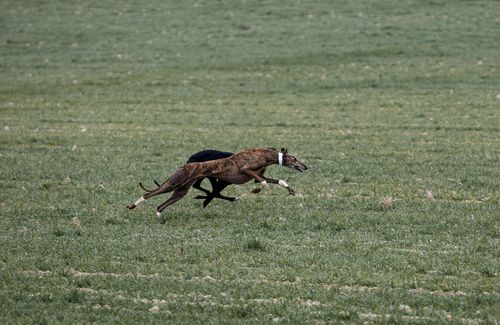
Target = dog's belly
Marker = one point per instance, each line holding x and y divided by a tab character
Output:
239	178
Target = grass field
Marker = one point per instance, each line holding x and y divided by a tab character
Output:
392	104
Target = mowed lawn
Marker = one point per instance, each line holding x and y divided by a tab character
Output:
393	105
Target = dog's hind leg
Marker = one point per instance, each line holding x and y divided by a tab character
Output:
177	180
217	187
178	194
197	185
213	182
221	186
133	205
164	188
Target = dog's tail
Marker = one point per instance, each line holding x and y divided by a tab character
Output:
145	189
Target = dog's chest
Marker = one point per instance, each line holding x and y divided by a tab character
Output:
237	178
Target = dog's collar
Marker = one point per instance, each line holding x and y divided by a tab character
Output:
280	158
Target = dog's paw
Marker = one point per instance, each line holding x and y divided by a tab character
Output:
131	206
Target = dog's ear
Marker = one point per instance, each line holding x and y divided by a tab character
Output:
284	151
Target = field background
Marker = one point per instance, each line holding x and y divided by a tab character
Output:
392	104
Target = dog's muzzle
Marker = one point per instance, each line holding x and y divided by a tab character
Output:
301	168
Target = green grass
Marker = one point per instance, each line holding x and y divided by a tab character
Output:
392	105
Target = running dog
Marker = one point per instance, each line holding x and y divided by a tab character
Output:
217	184
237	169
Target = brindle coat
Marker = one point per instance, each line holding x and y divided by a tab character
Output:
218	185
238	169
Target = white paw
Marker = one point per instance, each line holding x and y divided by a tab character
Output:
283	183
158	214
263	183
139	201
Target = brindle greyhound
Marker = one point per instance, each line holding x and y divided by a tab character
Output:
238	169
217	184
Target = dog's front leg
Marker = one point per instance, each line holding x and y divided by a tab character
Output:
254	175
280	182
285	184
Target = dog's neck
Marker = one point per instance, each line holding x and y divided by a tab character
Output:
273	156
276	157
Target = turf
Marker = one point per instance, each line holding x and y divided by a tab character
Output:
393	105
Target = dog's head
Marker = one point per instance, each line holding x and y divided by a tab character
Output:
292	162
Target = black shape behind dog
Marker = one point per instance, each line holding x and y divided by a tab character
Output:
217	184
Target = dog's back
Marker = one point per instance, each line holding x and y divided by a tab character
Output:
229	169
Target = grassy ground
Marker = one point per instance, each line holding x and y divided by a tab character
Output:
392	104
